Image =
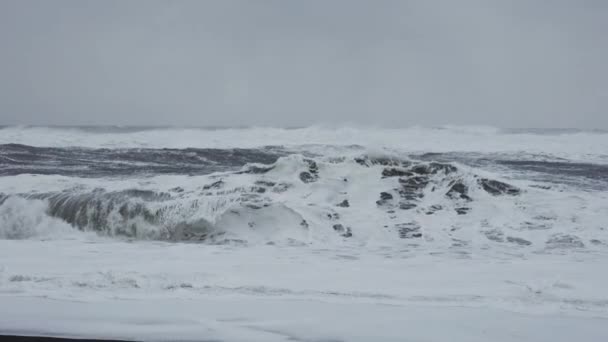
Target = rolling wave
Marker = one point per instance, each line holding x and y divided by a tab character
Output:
277	197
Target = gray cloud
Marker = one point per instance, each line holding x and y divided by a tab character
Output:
537	63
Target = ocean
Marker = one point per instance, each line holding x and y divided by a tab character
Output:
307	234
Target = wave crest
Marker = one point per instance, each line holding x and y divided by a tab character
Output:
21	218
369	198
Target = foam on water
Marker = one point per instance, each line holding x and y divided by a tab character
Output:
369	199
572	145
26	219
309	234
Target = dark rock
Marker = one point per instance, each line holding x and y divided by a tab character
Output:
410	196
408	230
459	190
544	218
312	165
433	168
281	187
596	242
421	169
306	177
439	167
565	241
362	161
214	185
333	216
304	224
433	209
384	161
343	204
414	183
177	189
258	189
265	183
495	235
344	231
497	188
407	206
394	172
386	196
457	243
527	225
253	197
312	174
411	188
462	211
519	241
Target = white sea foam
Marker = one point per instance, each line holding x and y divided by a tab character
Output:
581	146
290	210
149	291
511	268
26	219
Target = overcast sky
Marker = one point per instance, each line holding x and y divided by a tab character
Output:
507	63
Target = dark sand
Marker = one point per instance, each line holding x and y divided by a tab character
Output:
14	338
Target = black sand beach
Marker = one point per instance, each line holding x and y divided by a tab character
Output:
16	338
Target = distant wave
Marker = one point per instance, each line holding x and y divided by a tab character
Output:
16	159
579	146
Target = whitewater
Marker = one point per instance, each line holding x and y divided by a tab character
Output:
455	233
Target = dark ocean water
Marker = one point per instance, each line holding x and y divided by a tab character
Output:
18	159
87	162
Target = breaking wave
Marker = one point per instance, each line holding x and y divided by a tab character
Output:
364	199
23	219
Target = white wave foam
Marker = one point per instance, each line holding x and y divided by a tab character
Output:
588	146
269	224
553	219
25	219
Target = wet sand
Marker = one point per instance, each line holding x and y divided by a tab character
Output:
15	338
